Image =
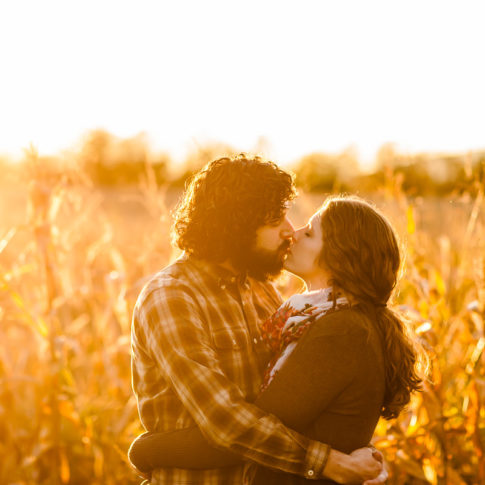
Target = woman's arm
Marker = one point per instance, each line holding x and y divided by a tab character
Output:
327	359
184	448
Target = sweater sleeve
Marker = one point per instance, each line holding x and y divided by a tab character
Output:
183	448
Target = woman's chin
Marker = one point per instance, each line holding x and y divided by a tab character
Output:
289	267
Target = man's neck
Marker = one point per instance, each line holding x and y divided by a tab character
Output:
227	265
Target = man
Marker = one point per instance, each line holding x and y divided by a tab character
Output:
197	351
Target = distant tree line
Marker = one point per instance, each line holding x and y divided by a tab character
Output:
108	160
418	174
112	161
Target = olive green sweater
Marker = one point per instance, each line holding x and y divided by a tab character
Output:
331	389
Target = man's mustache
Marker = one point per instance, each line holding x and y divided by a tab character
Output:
284	246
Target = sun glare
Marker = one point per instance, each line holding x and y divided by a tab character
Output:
98	98
320	77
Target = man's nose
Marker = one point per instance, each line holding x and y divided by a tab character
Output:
296	235
287	231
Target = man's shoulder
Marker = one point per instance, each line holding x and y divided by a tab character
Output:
170	280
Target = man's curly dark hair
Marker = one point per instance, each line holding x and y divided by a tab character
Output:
226	202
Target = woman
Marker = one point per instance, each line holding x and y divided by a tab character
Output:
342	357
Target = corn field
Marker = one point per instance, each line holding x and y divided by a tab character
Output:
73	258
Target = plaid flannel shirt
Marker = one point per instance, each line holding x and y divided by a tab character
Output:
198	358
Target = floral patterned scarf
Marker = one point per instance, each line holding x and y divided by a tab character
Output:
282	330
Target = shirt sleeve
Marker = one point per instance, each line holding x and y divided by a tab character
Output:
322	365
178	340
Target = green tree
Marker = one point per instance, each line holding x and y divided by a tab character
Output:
110	160
321	172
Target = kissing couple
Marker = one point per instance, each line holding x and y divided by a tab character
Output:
235	385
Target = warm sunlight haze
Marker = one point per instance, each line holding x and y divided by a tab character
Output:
320	76
113	112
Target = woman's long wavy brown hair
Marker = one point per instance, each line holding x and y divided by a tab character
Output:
361	253
226	202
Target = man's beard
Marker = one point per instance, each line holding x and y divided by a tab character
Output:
262	264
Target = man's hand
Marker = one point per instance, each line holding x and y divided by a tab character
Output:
364	465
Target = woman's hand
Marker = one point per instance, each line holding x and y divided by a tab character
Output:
364	465
383	476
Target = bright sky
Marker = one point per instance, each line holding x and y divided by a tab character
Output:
307	75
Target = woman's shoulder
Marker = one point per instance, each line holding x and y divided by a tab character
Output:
344	321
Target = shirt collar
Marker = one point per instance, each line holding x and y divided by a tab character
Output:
222	275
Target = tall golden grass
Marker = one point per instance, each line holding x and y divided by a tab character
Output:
73	258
